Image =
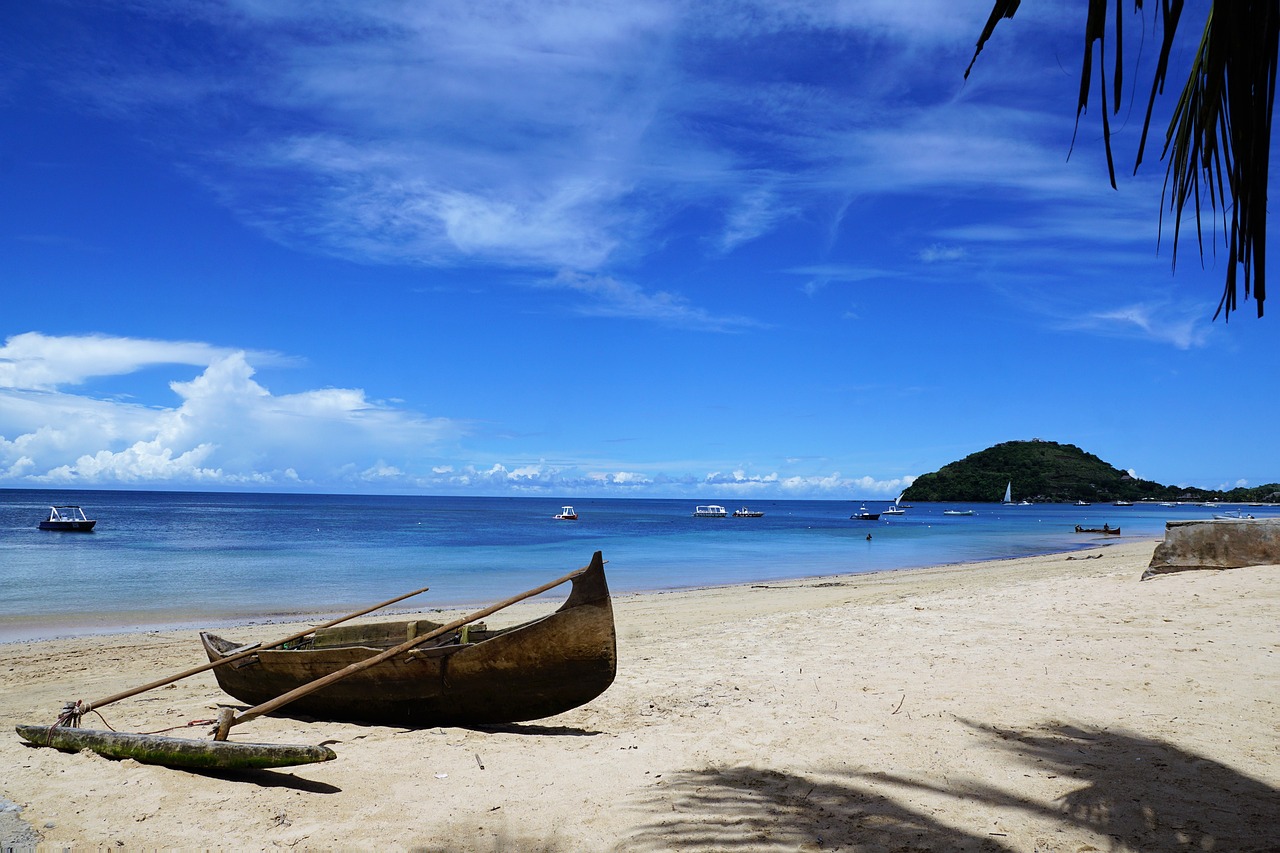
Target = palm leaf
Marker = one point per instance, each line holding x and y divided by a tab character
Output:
1218	142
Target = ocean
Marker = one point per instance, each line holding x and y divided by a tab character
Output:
177	559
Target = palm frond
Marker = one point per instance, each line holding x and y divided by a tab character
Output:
1218	142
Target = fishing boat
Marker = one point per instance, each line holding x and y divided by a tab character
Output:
1106	528
68	518
744	512
863	514
469	676
566	513
895	509
958	512
710	511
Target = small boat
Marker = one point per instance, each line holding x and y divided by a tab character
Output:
1083	503
896	509
864	515
472	676
1008	494
175	752
710	511
1106	528
566	513
1231	514
958	512
68	518
747	513
1122	503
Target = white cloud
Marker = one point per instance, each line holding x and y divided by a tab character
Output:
226	428
34	361
615	298
1184	329
939	253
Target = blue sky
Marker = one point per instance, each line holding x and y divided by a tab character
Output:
723	250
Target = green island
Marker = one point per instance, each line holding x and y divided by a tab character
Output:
1047	472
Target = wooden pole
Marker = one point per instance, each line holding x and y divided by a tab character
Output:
225	724
243	653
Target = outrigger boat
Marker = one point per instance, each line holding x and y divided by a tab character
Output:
536	669
465	675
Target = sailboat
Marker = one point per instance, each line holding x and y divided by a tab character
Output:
1008	494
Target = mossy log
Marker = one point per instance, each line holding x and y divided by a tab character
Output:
176	752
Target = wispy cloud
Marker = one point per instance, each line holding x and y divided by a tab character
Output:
1183	328
34	361
557	136
611	297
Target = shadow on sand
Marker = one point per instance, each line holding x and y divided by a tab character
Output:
1134	793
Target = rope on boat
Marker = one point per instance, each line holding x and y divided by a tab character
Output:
72	713
187	725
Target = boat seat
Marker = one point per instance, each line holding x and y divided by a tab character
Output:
376	635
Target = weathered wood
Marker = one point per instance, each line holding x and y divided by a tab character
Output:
529	671
1221	543
176	752
240	654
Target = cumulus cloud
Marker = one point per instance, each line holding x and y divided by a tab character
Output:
223	429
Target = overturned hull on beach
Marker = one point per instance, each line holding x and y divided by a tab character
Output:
474	677
1216	544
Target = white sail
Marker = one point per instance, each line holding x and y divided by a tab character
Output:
1008	493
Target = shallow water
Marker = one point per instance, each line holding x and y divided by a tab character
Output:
162	559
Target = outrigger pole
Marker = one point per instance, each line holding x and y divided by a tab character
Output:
79	709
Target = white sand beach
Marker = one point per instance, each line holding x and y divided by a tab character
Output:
1049	703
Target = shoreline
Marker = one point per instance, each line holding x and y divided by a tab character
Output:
44	629
1049	702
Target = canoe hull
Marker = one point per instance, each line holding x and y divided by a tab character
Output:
176	752
535	670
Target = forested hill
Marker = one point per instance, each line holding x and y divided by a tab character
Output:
1045	471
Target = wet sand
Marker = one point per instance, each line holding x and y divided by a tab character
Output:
1046	703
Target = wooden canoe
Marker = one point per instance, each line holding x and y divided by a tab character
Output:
1111	531
472	677
176	752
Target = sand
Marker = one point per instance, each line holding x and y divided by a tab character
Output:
1050	703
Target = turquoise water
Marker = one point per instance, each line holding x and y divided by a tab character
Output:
160	559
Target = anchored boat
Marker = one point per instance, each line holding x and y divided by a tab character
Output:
68	518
